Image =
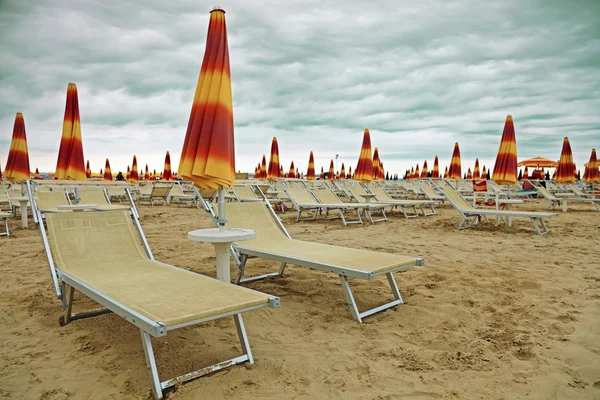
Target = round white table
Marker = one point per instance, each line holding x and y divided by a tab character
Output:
23	203
222	239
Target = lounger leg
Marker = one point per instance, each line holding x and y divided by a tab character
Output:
69	311
151	365
394	287
5	233
241	267
564	205
241	330
350	298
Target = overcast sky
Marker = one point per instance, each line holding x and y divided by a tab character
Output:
420	75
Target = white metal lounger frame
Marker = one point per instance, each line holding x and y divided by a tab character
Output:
377	206
469	218
5	219
147	326
347	207
345	274
315	207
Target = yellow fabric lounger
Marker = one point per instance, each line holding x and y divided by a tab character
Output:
554	201
471	214
274	243
98	196
177	194
303	199
105	256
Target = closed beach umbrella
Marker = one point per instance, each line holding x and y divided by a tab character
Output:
592	174
107	172
349	172
322	175
483	173
376	165
167	175
274	170
343	172
436	168
134	177
71	164
455	171
292	172
281	171
446	173
331	173
37	174
263	168
505	168
565	171
469	175
424	171
411	175
88	170
128	175
17	166
417	175
147	174
364	169
525	174
476	173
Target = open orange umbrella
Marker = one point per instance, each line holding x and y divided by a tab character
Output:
107	172
71	164
436	168
134	177
364	168
565	171
331	173
424	171
322	176
455	171
167	175
505	168
37	174
17	166
476	173
292	172
591	173
537	163
469	175
274	171
88	170
343	172
208	154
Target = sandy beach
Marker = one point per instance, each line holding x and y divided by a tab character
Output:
495	313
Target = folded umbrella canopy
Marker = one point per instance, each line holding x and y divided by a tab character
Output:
364	169
592	174
455	171
128	175
107	172
88	170
343	172
424	171
17	166
292	171
446	173
71	164
376	165
476	173
469	175
166	175
349	172
274	171
134	177
411	174
565	171
436	168
505	168
525	174
417	175
331	173
322	176
147	174
37	174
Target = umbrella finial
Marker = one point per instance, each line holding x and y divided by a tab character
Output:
217	7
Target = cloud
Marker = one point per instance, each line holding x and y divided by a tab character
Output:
420	75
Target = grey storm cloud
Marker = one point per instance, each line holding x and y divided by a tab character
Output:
419	75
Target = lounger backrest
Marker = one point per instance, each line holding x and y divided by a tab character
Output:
116	191
546	193
381	194
300	195
145	190
176	190
326	196
84	240
51	200
92	196
456	199
428	190
160	191
244	193
256	216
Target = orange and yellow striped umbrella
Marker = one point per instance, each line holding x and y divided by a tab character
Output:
565	171
37	174
376	165
343	172
349	172
331	173
167	175
455	171
446	173
263	168
134	177
483	173
381	170
292	171
436	168
281	171
591	173
322	176
424	171
71	164
128	175
17	166
505	168
411	175
208	154
469	175
88	170
310	172
274	171
364	169
526	173
476	174
417	175
107	172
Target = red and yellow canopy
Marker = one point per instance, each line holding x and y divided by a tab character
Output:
469	175
455	171
71	164
505	168
37	174
17	166
343	172
274	171
166	175
537	163
417	175
525	174
134	177
424	171
446	173
107	172
322	176
376	165
88	170
364	168
476	173
436	168
331	173
208	154
292	172
592	174
565	171
350	172
147	174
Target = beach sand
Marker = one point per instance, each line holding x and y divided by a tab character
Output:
495	313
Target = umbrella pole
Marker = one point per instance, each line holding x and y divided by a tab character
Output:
221	207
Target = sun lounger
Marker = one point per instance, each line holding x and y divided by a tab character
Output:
302	199
159	194
326	195
471	214
4	218
431	194
177	194
98	196
384	197
50	201
554	201
274	243
105	256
